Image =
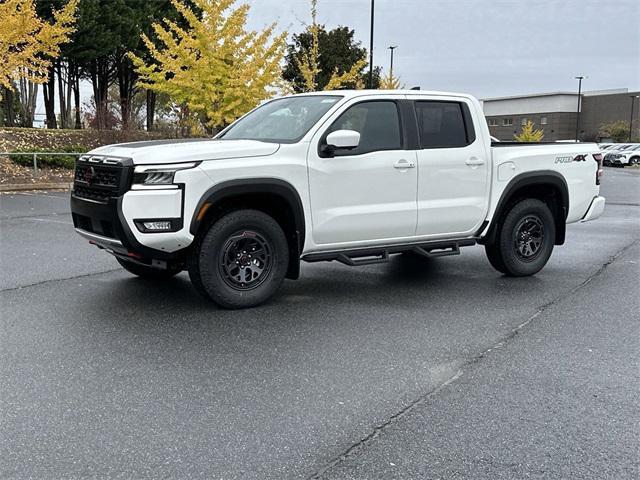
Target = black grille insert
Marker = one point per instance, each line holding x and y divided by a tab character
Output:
98	181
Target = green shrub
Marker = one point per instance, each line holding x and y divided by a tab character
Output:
44	160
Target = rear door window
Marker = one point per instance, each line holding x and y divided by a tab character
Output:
444	124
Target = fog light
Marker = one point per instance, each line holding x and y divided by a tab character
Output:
157	226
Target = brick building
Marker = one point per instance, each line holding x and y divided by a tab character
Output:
555	113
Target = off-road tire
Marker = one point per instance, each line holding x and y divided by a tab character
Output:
524	240
150	273
495	257
211	270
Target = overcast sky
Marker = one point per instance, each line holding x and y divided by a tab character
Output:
488	48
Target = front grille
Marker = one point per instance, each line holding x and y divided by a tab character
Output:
99	178
102	177
95	194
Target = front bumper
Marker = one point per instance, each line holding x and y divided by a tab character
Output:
595	209
108	213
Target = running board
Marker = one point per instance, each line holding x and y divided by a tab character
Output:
375	255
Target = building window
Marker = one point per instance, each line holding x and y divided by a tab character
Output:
543	121
493	122
507	122
523	122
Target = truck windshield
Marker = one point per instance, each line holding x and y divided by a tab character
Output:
284	120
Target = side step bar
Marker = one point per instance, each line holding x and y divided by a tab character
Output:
374	255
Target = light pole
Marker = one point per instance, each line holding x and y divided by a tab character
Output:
633	101
579	78
392	48
371	47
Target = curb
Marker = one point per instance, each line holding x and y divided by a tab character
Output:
18	187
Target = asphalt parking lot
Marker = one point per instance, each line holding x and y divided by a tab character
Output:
412	369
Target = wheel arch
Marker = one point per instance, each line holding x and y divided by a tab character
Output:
547	186
272	196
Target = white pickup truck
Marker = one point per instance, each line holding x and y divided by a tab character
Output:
351	176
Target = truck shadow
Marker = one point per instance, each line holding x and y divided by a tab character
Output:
406	279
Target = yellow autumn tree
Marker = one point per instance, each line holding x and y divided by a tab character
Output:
308	62
212	66
28	44
528	134
390	82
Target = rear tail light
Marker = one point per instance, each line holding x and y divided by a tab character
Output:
599	172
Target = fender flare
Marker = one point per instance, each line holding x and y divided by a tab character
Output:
266	185
527	179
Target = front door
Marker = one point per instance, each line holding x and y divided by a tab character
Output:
368	193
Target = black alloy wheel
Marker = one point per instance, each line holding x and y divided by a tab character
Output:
246	260
528	237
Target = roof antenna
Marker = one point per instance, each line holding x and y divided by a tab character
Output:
415	88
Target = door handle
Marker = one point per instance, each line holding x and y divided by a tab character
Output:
404	164
474	162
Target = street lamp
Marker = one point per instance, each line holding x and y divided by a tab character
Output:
371	48
579	78
392	48
633	101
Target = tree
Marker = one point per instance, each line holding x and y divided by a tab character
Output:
212	66
528	134
617	131
28	45
390	82
318	59
9	107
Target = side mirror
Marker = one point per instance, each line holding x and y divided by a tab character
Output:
342	140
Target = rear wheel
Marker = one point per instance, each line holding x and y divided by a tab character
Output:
149	273
525	239
241	260
634	161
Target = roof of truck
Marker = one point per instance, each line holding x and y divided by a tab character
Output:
359	93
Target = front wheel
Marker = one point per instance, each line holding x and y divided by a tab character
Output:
525	239
241	260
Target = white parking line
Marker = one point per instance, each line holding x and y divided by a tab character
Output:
64	197
48	220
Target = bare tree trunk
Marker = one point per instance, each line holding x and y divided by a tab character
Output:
64	94
151	109
8	99
49	99
126	90
68	96
28	95
100	82
76	99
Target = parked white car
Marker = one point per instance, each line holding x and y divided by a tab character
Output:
351	176
630	155
614	155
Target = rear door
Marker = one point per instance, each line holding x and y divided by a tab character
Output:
368	193
454	168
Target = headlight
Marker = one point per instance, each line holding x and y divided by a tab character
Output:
157	176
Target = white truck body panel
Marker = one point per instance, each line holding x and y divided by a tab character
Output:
378	198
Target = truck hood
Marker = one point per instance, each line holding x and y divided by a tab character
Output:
187	150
